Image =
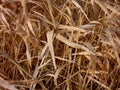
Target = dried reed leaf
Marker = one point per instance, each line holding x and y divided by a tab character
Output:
43	18
87	26
44	64
51	12
81	53
110	16
113	45
77	5
69	12
57	74
71	28
35	2
52	75
14	62
4	19
28	54
6	85
50	45
100	83
95	22
112	8
64	59
8	12
92	2
102	5
30	26
44	50
72	44
23	2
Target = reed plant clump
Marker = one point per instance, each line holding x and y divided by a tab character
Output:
59	44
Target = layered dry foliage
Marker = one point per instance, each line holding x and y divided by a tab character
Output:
60	44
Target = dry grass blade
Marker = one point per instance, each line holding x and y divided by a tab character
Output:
71	28
10	12
95	22
62	59
92	2
28	54
43	18
44	50
15	63
30	26
77	5
23	2
111	15
6	85
87	26
44	64
102	5
50	44
113	45
100	83
112	8
72	44
81	53
35	2
51	12
57	74
4	19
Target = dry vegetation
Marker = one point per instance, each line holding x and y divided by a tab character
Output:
60	44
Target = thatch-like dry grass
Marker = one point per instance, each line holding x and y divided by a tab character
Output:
60	44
